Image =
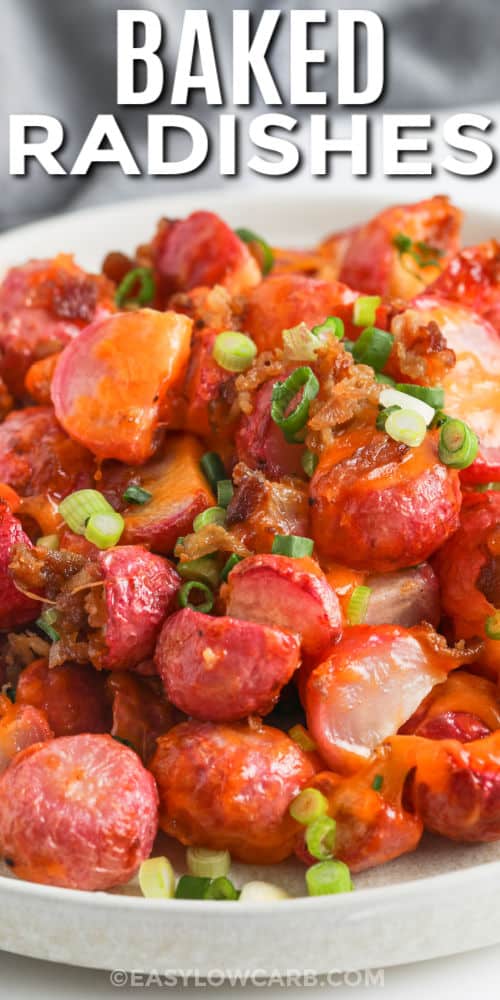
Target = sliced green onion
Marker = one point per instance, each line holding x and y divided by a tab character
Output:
205	569
145	278
458	445
198	587
365	310
348	345
48	542
492	626
377	782
482	488
105	530
433	395
225	491
384	379
136	494
283	395
76	508
382	416
212	467
358	605
222	889
308	806
46	621
392	397
309	463
212	515
157	879
406	426
300	736
262	892
328	878
320	837
402	242
234	351
440	418
229	565
205	863
332	325
373	348
192	887
293	546
300	343
265	251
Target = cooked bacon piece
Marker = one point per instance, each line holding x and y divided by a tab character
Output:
370	684
471	387
373	822
179	492
37	457
72	697
118	382
468	567
79	812
456	788
372	263
230	786
464	708
260	510
201	250
261	444
379	505
284	301
140	711
20	727
472	278
292	594
420	352
223	669
15	608
43	305
406	598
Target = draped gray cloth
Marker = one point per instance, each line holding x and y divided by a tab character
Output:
58	57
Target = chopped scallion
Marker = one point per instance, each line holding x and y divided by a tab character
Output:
320	837
373	348
205	863
406	426
293	546
105	530
234	351
332	325
308	806
212	515
358	605
144	278
225	492
492	626
309	463
229	565
78	507
196	586
328	878
136	494
265	253
213	468
157	879
284	393
365	310
458	444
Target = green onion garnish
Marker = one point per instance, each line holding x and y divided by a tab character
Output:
308	806
157	878
105	530
365	310
144	277
309	463
229	565
482	488
358	605
46	621
77	508
283	395
492	626
191	887
234	351
328	878
320	837
205	569
377	782
222	889
213	468
300	736
432	395
373	348
293	546
407	427
300	343
225	492
205	863
48	542
384	379
332	325
382	416
136	494
422	253
392	397
348	345
198	587
265	252
458	445
212	515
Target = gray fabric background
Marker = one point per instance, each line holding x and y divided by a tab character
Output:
58	57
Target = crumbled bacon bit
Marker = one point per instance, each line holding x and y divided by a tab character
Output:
420	349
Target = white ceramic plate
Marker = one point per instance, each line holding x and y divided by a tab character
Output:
444	898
